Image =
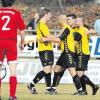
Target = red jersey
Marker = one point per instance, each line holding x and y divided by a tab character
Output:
10	22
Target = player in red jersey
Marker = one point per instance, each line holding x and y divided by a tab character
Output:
10	22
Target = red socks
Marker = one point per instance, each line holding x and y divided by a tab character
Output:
13	84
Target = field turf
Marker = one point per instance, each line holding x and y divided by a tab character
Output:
65	92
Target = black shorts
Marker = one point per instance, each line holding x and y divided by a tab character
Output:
46	57
82	62
66	60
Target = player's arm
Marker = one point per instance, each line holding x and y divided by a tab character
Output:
22	36
21	26
91	31
57	39
51	39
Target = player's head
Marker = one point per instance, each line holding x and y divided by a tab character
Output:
71	18
7	3
62	20
79	21
46	13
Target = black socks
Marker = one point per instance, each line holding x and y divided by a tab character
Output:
87	81
37	78
48	79
77	83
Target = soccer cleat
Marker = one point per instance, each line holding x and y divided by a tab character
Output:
12	98
32	89
53	91
48	91
84	93
76	93
79	93
95	89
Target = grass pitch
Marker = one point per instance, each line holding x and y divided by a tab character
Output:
64	93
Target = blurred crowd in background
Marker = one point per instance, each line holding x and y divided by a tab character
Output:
89	11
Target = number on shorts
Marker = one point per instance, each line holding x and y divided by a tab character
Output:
5	28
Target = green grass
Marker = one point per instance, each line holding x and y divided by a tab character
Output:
64	93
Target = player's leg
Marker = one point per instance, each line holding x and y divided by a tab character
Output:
61	73
89	82
57	70
11	54
36	79
58	73
76	79
12	79
47	62
83	84
48	71
70	65
83	78
80	72
49	58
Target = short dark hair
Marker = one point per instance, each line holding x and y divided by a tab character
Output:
72	15
7	3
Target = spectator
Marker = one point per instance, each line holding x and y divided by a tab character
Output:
32	24
97	25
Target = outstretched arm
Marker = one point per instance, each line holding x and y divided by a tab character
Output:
91	31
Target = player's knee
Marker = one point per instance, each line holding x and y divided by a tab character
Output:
80	73
47	69
57	69
12	73
12	69
72	71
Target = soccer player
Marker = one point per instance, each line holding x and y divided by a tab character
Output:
10	22
83	56
45	52
66	59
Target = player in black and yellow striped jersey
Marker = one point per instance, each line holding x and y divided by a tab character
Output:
45	52
83	55
66	59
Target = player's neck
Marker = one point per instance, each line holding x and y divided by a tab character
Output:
43	20
81	25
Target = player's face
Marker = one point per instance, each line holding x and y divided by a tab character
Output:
48	16
79	21
70	20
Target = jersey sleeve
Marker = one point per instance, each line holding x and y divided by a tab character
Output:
64	34
20	22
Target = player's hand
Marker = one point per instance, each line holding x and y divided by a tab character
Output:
43	39
22	47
